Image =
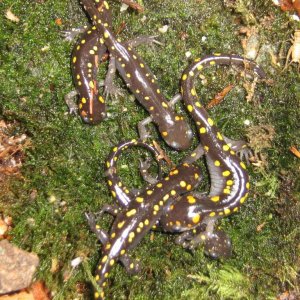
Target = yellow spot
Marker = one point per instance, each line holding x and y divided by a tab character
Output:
175	172
109	182
189	187
131	266
97	277
191	73
212	63
131	235
166	197
161	203
91	84
134	57
196	175
243	165
200	67
217	163
164	133
137	91
92	52
82	41
101	99
113	235
229	182
74	59
177	118
139	199
215	198
191	199
164	104
141	224
104	259
202	130
226	191
184	77
122	251
190	108
159	185
83	100
106	34
226	147
112	262
142	65
235	209
182	183
158	91
106	5
248	185
128	75
149	192
131	213
196	219
78	47
113	194
198	104
146	222
243	199
227	211
210	121
105	275
156	207
206	148
97	295
146	98
193	92
167	178
107	247
101	41
219	136
121	224
151	108
78	76
226	173
173	192
212	214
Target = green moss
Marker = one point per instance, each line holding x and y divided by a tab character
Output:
65	165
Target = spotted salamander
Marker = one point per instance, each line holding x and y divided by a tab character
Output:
139	215
85	58
140	80
229	178
195	214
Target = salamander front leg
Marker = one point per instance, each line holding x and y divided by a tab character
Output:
71	102
132	266
175	100
144	170
70	35
143	40
110	89
195	155
143	131
101	234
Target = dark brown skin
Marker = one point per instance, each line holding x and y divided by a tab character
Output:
140	80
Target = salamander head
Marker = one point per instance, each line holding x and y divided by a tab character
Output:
179	135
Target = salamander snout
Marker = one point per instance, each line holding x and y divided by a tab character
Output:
179	136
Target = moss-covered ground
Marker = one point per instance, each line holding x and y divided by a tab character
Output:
63	173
